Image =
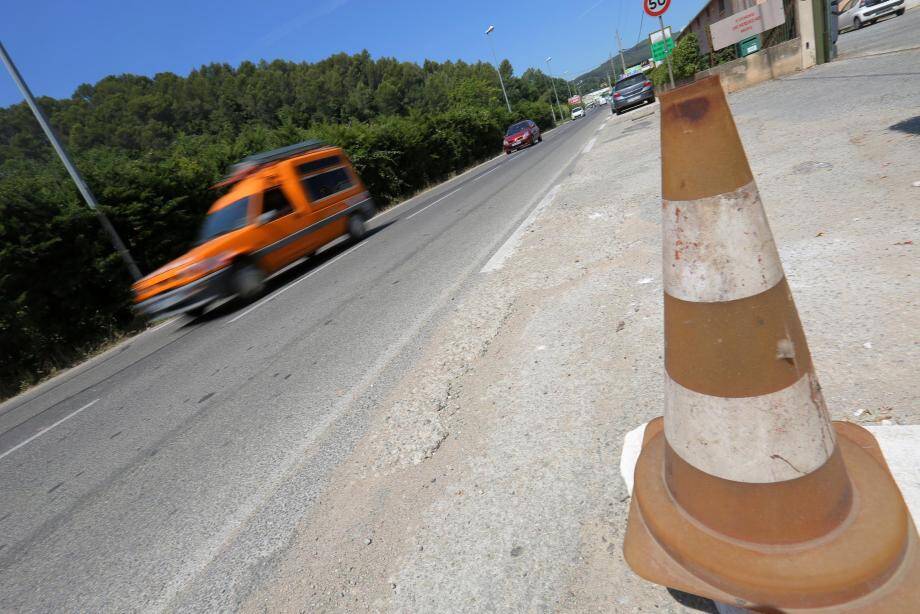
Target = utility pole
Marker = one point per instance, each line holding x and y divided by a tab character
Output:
612	67
620	45
497	68
117	243
553	81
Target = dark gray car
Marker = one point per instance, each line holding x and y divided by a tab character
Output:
632	91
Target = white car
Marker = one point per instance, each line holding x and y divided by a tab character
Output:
857	13
579	112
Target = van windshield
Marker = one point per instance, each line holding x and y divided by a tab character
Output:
230	218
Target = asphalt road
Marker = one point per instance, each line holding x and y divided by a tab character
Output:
888	34
169	472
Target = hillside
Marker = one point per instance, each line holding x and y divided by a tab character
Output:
597	78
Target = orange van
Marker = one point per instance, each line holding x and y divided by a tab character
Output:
282	205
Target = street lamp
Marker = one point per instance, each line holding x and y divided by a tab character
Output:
553	81
495	57
568	83
84	190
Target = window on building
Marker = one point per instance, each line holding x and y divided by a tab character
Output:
721	6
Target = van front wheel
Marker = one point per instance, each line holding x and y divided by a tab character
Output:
356	227
248	280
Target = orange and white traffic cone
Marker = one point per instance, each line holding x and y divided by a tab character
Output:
745	492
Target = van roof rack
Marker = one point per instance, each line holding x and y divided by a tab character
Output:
250	164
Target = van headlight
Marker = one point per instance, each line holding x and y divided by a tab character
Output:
208	265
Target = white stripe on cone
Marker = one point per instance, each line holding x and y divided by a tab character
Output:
769	438
719	248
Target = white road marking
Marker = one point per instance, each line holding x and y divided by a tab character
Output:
590	145
412	215
498	259
435	187
45	430
194	562
281	291
495	168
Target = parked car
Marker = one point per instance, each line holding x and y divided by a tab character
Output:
521	134
632	91
577	112
281	205
856	13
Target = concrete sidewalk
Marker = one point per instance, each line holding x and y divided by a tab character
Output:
491	479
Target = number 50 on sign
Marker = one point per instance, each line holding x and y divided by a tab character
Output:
656	8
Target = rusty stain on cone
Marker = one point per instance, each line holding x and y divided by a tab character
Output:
745	492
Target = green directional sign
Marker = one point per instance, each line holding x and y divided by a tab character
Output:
662	48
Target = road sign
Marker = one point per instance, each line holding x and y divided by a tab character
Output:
656	8
745	24
662	44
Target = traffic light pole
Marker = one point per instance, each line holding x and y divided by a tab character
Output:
117	243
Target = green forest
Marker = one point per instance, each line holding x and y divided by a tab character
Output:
150	147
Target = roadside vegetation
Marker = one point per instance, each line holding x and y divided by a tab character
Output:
150	148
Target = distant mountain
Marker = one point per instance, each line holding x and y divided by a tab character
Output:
594	79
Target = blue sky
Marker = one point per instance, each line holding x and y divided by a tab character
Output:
59	45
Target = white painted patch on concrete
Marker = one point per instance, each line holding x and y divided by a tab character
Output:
769	438
595	216
901	448
719	248
46	429
645	280
498	259
590	145
632	445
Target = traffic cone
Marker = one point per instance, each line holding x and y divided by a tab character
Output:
745	492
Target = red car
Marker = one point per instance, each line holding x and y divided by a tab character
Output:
521	134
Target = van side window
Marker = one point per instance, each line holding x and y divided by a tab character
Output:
273	199
322	185
317	165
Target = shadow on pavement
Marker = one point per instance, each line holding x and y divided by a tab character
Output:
694	602
910	126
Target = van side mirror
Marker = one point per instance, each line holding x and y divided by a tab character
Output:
266	217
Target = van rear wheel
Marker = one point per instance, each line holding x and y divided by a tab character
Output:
248	280
356	227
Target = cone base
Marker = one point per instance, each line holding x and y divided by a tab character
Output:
870	563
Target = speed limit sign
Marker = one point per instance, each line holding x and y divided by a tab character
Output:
656	8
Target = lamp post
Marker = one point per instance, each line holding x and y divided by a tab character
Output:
117	243
551	108
568	83
553	81
497	69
